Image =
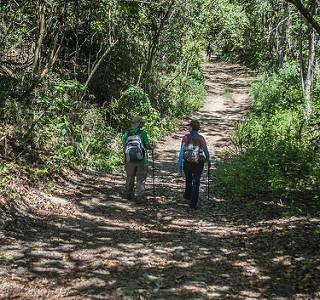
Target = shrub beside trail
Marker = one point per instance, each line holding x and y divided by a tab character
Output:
275	154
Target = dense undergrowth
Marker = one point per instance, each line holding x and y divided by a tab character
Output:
74	74
276	152
69	89
60	130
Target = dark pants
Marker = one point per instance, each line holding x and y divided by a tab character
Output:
193	173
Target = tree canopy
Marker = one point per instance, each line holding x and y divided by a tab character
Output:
73	73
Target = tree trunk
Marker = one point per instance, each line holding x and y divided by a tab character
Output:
301	59
284	35
311	65
42	29
155	41
306	13
98	63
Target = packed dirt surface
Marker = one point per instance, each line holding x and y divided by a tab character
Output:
93	244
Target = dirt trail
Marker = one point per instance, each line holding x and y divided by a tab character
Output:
100	246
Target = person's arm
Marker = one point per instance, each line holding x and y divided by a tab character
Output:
125	137
145	140
181	153
180	160
206	153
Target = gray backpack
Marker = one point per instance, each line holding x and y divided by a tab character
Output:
134	150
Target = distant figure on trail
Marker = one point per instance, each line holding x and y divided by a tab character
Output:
193	153
136	141
209	51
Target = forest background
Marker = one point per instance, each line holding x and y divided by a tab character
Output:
74	73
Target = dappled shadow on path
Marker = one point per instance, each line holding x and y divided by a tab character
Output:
116	249
109	248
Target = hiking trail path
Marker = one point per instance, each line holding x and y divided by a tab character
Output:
93	244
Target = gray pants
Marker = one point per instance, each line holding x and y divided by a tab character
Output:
140	171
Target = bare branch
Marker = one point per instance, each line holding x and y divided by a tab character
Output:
308	16
6	70
156	3
96	66
40	39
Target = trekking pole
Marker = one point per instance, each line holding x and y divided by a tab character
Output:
153	186
208	183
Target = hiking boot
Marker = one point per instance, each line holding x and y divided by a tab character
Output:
186	197
193	207
128	196
139	200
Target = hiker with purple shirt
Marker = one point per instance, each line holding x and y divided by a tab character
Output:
193	153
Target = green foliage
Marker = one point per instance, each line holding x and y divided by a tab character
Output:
227	23
183	100
228	94
75	132
281	171
45	112
4	175
39	174
62	130
8	188
259	130
275	155
190	97
277	90
132	102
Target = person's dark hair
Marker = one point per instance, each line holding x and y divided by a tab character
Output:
195	125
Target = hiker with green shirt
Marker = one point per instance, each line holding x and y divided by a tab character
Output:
136	143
